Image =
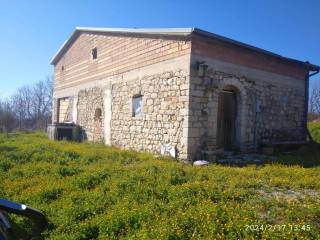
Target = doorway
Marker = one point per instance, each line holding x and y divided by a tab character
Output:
227	119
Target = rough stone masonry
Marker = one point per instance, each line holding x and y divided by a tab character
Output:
186	92
164	111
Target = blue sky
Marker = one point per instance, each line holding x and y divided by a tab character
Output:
32	31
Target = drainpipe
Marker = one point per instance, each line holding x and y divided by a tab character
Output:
307	104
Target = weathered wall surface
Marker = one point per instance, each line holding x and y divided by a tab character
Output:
179	108
276	85
89	102
55	109
117	54
164	112
120	57
281	97
164	119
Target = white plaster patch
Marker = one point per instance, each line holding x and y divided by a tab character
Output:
168	149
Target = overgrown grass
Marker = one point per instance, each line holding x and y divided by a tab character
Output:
90	191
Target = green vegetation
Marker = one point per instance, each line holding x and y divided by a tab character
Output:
314	128
90	191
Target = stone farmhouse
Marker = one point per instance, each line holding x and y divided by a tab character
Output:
179	90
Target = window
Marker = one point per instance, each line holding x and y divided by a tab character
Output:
94	53
136	106
62	68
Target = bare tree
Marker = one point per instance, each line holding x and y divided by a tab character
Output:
7	117
30	107
41	103
19	107
26	97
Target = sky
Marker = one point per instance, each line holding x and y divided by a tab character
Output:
32	31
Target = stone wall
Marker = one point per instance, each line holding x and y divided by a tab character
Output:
55	110
164	87
281	101
181	109
164	112
89	103
282	112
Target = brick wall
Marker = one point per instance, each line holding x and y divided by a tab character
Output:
228	52
116	54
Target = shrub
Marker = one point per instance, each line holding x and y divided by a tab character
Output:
66	171
178	176
91	181
5	165
50	195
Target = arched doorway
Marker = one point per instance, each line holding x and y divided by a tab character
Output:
227	120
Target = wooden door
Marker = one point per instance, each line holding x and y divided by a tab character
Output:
227	112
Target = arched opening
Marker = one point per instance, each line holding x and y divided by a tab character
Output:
228	119
97	114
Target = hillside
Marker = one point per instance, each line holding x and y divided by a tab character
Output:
90	191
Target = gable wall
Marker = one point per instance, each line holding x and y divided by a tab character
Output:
126	66
116	54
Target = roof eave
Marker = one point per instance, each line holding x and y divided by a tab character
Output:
313	67
164	31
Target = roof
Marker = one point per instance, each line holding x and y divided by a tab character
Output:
172	32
